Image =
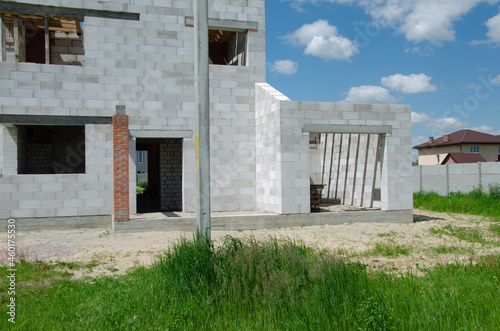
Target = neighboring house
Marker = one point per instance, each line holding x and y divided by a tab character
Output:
464	141
86	84
452	158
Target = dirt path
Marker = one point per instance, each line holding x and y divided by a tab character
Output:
106	254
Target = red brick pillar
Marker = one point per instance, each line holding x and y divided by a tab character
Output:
120	166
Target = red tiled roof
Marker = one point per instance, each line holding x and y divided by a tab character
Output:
462	137
464	158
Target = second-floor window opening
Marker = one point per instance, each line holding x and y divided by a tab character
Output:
227	47
474	149
42	39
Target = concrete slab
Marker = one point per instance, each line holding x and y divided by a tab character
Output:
220	221
266	221
59	223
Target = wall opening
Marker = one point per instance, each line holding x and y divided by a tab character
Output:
227	47
161	168
51	149
347	167
42	39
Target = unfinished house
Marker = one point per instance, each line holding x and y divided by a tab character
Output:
89	89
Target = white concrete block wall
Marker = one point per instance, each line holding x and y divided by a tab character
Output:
62	194
148	66
268	148
396	188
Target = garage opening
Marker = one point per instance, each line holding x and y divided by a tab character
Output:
159	177
345	170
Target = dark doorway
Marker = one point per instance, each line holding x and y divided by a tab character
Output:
35	45
164	175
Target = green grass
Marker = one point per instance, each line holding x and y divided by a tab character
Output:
389	234
389	250
271	285
466	234
443	249
495	228
477	202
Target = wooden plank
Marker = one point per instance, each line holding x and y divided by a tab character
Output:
53	120
47	41
19	40
15	7
78	24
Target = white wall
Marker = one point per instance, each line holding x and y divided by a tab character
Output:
444	179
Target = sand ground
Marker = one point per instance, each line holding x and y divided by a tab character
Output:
117	253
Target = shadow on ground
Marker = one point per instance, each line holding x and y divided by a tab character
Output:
423	218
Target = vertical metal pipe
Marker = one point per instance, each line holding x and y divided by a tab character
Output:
202	125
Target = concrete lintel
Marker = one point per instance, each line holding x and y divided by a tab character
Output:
188	134
53	120
230	25
342	128
24	8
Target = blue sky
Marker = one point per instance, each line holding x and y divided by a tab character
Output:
440	57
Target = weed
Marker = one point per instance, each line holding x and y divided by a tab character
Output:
390	234
92	264
477	202
104	234
388	250
270	285
465	234
495	228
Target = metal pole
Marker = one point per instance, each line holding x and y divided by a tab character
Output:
202	114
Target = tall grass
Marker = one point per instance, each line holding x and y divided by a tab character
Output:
477	202
270	285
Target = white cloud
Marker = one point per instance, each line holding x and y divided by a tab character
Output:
410	84
493	25
446	124
369	94
286	67
418	118
418	20
323	40
495	80
433	20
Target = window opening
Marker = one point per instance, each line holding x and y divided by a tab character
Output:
227	47
346	171
474	149
51	149
42	39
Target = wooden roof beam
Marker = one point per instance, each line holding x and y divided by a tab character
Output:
41	10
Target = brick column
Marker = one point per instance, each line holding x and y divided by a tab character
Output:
120	165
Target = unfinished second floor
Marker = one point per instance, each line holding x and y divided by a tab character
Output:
82	58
